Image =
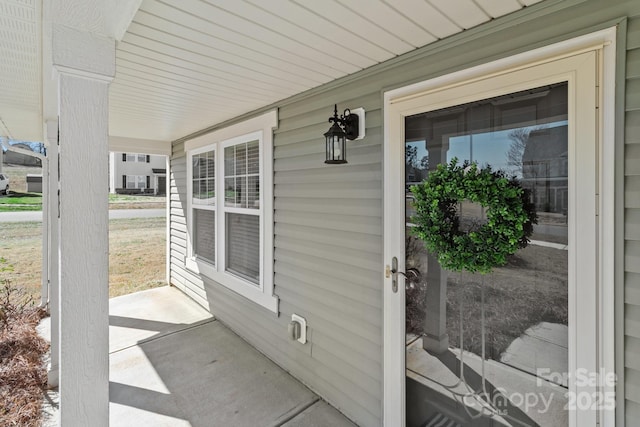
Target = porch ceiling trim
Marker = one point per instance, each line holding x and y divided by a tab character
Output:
136	145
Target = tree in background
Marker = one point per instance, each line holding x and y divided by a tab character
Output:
519	138
415	170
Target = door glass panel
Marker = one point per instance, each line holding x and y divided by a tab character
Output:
485	350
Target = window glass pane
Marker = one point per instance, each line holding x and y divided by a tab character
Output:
203	165
517	317
204	178
131	157
204	224
203	191
230	192
195	163
142	158
242	175
229	161
243	246
253	157
253	192
196	191
136	181
211	164
241	194
211	191
241	159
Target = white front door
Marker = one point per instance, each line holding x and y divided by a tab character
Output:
571	194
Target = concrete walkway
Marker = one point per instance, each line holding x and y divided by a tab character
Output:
518	398
173	364
542	350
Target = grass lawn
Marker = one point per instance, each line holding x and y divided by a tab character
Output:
136	254
20	202
128	198
129	201
530	289
15	202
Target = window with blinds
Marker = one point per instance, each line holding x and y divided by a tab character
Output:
242	175
242	203
134	157
203	202
243	246
205	239
136	181
240	214
204	178
231	238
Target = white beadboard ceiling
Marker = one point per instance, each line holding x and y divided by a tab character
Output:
185	65
20	70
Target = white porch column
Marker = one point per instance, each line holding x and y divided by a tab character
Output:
44	276
53	242
85	64
436	339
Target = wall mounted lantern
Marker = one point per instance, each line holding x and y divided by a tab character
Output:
347	126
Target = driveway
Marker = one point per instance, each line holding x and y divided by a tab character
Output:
113	214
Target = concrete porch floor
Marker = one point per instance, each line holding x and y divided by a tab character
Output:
173	364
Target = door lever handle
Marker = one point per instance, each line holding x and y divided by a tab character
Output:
410	274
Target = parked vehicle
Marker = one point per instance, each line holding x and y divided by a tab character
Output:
4	184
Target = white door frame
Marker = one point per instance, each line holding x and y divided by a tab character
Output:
394	303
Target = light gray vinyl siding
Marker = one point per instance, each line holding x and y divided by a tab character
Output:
328	223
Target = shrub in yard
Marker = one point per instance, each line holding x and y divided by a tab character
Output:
23	376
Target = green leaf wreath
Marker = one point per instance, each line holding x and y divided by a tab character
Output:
509	218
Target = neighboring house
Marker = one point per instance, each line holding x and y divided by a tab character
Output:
545	168
135	172
15	158
238	95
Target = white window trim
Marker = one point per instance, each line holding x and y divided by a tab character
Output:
211	269
221	218
259	128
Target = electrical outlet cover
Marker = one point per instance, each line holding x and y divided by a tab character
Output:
303	327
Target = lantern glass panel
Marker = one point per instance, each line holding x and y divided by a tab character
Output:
336	148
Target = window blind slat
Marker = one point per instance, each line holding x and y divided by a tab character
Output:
205	238
243	246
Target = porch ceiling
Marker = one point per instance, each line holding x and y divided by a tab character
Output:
183	66
20	70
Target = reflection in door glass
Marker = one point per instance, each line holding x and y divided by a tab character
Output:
492	350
